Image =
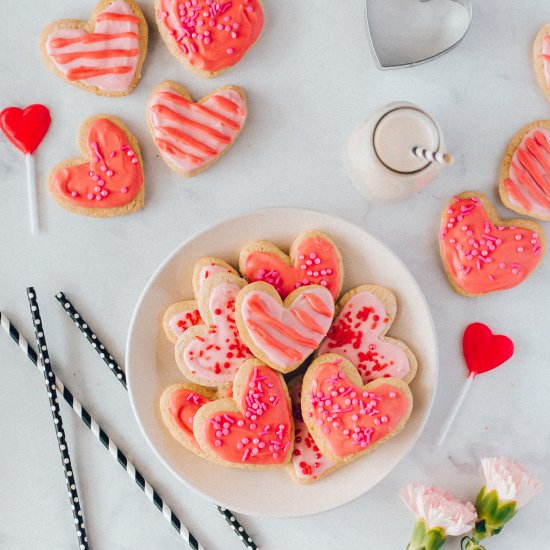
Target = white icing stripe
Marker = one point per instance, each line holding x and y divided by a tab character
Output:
210	141
127	46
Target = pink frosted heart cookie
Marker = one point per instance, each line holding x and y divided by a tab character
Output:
104	55
313	259
193	135
358	331
525	171
283	334
210	354
108	180
308	463
178	405
346	418
254	429
482	253
209	36
541	58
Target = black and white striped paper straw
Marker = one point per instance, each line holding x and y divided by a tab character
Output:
49	379
104	439
432	156
92	337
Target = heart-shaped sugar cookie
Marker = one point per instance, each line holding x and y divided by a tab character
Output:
283	335
193	135
178	405
525	171
482	253
346	418
308	463
104	55
208	36
108	181
254	429
205	268
541	59
314	259
210	354
364	315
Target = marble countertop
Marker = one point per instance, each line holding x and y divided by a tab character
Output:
309	81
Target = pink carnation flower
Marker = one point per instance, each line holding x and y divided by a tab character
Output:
440	509
509	480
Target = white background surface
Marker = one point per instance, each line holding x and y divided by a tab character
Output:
309	80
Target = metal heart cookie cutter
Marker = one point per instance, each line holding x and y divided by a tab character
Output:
405	33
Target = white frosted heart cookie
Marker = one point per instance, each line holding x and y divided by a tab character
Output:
358	333
104	55
210	354
283	334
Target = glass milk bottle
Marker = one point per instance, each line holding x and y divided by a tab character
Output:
379	157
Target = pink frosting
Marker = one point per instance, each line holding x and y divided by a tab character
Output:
546	60
114	63
288	336
219	353
355	334
261	434
211	269
350	418
182	320
307	460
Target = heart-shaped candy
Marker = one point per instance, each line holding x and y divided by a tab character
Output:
283	335
314	259
525	171
346	418
308	463
483	350
178	405
404	33
104	55
209	36
482	253
253	429
109	180
541	59
365	314
210	354
25	128
193	135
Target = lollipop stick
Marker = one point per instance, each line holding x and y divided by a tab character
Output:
31	187
455	410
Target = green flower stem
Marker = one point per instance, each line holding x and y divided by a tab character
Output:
492	514
468	543
424	539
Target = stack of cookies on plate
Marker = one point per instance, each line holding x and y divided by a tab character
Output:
281	318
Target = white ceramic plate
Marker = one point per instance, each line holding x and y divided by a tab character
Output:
150	364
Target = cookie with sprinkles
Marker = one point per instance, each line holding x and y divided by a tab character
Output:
183	315
206	267
253	429
482	253
283	334
313	259
108	179
346	418
178	405
363	317
525	171
103	56
211	353
308	463
209	36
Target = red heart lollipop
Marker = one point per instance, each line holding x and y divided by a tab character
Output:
484	351
25	128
